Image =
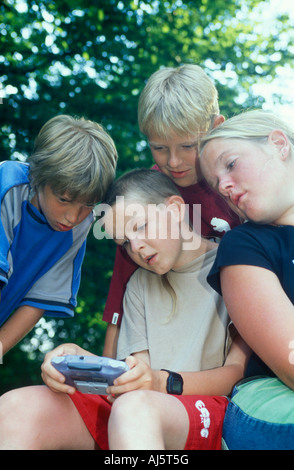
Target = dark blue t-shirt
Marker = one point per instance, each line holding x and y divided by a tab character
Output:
267	246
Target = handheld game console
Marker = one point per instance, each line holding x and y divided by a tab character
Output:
89	374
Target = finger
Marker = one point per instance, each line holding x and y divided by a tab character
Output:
128	386
131	361
58	386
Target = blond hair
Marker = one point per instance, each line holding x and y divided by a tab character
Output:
254	125
73	155
182	99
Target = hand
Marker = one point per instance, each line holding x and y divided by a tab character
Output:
51	377
140	376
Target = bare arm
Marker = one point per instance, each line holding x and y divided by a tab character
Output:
18	325
218	381
221	380
110	343
263	314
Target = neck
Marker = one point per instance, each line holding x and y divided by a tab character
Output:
195	247
285	219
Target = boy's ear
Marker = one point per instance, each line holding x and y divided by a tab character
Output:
177	206
218	120
281	142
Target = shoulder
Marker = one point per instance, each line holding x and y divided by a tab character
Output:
13	174
252	245
142	280
13	169
249	243
249	234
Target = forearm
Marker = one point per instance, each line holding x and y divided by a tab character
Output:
111	338
18	326
218	381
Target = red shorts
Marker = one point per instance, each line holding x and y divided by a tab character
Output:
206	415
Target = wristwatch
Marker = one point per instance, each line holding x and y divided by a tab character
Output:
174	383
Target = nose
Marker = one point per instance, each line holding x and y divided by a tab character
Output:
174	158
225	185
136	245
73	214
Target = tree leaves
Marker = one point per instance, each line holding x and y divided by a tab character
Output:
92	59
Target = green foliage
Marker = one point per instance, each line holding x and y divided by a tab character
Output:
92	59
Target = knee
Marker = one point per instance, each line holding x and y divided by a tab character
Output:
133	407
124	406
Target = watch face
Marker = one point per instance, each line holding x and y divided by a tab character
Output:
175	383
177	387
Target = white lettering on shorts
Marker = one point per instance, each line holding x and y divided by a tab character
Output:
204	416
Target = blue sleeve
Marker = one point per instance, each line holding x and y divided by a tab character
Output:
13	175
4	265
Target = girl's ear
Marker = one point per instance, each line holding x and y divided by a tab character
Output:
281	142
177	206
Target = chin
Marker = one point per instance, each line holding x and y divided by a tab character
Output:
159	271
260	220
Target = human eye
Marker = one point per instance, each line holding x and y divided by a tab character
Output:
157	147
231	164
141	227
188	146
62	199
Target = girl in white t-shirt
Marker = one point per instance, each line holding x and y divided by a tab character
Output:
174	337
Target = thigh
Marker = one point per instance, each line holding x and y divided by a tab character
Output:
48	420
145	419
174	419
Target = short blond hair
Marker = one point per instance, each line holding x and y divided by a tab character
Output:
183	100
73	155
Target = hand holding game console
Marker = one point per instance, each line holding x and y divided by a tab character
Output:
89	374
54	379
139	375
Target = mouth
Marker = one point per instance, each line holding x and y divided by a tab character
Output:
150	259
179	174
236	198
64	228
